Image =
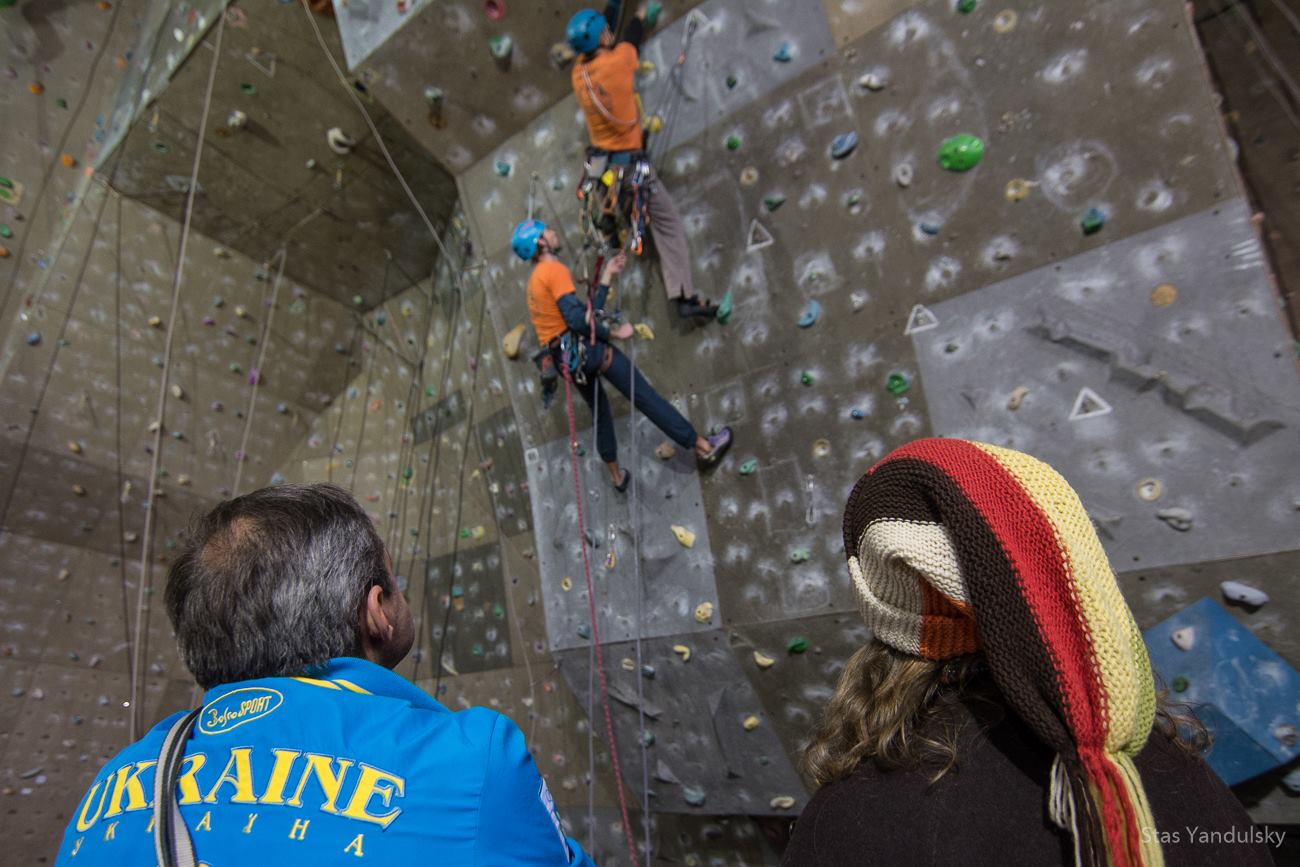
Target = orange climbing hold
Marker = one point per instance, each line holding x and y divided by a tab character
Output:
68	161
103	5
4	252
36	88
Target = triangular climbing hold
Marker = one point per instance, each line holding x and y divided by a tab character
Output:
759	237
1088	404
920	320
264	61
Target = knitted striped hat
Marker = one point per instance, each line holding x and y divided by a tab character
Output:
956	547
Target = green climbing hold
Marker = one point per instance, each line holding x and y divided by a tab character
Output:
477	649
1092	221
961	152
733	142
724	309
773	202
798	645
248	89
897	383
61	103
6	183
749	467
806	378
408	473
415	531
498	612
457	591
429	391
464	532
732	81
965	7
584	631
235	367
5	231
1180	684
648	738
800	555
358	300
652	12
501	46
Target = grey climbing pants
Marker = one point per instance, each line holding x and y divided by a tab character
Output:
670	241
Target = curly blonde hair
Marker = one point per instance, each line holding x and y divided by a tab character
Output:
903	712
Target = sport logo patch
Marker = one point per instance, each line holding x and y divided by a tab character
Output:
548	802
237	707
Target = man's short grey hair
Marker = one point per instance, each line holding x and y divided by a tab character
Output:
274	582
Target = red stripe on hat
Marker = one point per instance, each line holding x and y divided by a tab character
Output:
947	626
1041	568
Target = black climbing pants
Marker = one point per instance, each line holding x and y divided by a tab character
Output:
648	401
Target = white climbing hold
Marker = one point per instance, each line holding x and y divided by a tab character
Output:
782	802
1235	591
1089	404
665	451
704	612
629	664
684	536
921	319
178	392
1177	519
566	584
763	661
339	142
1017	397
903	175
683	651
1185	638
759	237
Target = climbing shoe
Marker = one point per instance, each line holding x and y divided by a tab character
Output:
695	308
624	482
718	445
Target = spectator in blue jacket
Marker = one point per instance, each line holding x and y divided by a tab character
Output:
308	749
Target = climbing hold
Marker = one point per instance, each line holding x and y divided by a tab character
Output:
177	392
928	228
584	631
897	383
750	723
643	331
812	311
844	144
857	414
797	645
692	796
495	10
357	300
68	161
965	7
339	141
732	142
704	612
653	124
4	252
503	168
33	338
1016	189
821	448
773	201
748	176
648	738
806	378
653	10
1177	518
748	467
1235	591
629	664
781	802
961	152
36	88
510	343
665	451
1017	397
1292	782
871	81
5	231
1164	294
282	408
731	81
1149	490
903	175
155	322
1184	638
683	651
74	447
784	54
566	583
763	661
1089	404
1180	684
562	54
724	309
79	490
1005	21
236	120
501	46
800	555
1092	221
684	536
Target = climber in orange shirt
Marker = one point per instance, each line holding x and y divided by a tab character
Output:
575	334
603	80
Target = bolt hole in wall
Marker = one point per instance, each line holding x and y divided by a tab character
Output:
910	234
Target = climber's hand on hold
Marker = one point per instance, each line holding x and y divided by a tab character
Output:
623	332
613	267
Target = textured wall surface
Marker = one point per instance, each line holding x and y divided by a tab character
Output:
961	290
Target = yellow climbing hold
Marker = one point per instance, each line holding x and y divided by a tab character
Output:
763	661
1017	397
704	612
566	583
685	536
608	178
782	802
478	533
74	447
79	490
750	723
665	451
653	123
1164	295
510	343
683	651
155	322
629	664
643	331
1017	189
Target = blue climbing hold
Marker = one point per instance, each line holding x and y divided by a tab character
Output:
930	228
784	54
812	311
34	338
857	414
844	144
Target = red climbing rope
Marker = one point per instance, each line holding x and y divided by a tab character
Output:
595	628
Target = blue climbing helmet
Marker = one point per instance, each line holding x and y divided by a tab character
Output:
525	238
583	32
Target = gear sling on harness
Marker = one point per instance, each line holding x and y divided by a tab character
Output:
615	188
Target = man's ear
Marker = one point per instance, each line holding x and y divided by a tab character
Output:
378	627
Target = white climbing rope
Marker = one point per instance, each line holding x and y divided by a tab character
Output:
283	255
150	504
635	493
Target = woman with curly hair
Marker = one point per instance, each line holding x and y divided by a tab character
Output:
1004	711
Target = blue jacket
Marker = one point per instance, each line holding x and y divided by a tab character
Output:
354	762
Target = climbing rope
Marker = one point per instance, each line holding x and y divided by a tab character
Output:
242	455
635	494
595	626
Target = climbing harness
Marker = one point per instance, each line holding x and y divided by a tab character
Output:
614	190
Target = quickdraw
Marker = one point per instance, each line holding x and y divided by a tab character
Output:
615	200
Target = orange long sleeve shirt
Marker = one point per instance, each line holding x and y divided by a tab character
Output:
606	90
